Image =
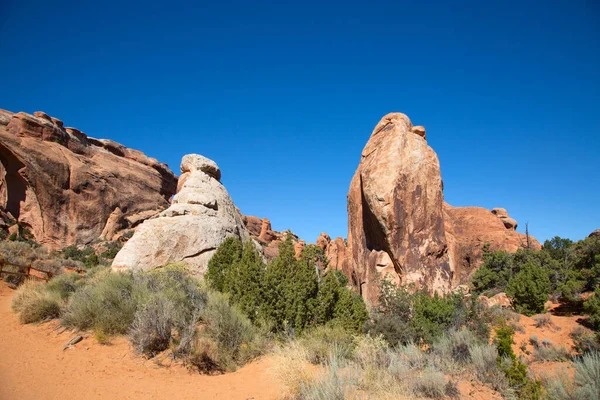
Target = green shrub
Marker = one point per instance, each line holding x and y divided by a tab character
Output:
407	316
64	285
287	294
548	352
592	308
584	341
529	289
221	264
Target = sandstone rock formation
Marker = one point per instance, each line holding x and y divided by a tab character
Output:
200	217
395	215
261	231
595	233
468	229
399	227
508	222
68	188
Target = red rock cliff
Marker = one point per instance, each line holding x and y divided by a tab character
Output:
68	188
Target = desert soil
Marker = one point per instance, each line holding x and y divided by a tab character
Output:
34	366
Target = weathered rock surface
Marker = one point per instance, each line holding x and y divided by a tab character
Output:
508	222
64	186
200	217
468	229
596	233
395	215
399	227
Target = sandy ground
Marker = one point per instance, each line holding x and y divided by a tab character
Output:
34	366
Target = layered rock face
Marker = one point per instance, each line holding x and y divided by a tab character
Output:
468	229
200	217
399	227
68	188
395	215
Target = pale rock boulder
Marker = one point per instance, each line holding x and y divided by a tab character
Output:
199	219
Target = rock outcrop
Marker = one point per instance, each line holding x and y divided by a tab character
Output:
399	227
68	188
261	231
200	217
508	222
395	214
595	233
469	229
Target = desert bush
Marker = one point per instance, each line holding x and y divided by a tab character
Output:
106	303
430	384
204	357
587	377
64	285
454	348
543	321
370	351
404	315
584	341
414	356
86	255
534	341
549	352
229	328
21	253
34	304
336	383
152	327
319	342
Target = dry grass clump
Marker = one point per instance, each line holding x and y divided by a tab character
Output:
376	371
584	386
35	304
546	351
543	321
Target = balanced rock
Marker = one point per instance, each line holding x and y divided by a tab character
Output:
199	219
508	222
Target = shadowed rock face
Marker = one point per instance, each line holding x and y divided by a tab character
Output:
64	186
199	219
395	216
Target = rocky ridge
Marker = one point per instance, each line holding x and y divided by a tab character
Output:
68	188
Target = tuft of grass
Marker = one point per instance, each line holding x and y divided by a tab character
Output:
319	341
543	321
430	384
454	348
34	304
336	383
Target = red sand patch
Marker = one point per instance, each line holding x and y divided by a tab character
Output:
34	366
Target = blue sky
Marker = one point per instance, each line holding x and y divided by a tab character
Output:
283	96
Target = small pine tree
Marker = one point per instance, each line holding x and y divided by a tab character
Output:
529	289
221	264
245	281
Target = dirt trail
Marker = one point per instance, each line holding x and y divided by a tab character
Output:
34	366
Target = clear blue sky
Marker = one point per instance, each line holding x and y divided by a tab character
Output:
284	96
